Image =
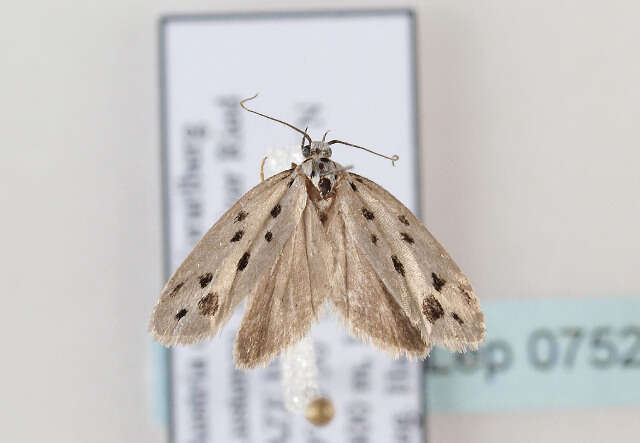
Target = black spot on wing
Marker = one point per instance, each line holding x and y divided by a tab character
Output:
358	179
208	305
438	283
397	264
291	182
403	220
181	313
431	308
457	318
322	216
406	237
367	214
175	290
205	279
276	210
465	294
353	186
244	261
237	236
268	236
241	216
374	239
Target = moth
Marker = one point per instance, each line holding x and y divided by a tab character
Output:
312	236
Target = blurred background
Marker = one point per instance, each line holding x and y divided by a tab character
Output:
528	128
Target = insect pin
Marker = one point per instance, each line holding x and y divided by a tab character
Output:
312	236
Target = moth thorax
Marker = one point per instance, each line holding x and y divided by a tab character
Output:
322	172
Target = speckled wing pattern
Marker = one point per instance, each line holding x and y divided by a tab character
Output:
286	300
412	265
225	266
288	249
364	302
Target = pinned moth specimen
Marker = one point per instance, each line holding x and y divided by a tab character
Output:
317	235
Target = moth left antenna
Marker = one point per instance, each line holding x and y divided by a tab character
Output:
304	134
394	158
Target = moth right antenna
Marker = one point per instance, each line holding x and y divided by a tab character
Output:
394	158
304	134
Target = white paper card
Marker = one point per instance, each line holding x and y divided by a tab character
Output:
352	73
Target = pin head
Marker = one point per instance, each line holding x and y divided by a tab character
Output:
320	411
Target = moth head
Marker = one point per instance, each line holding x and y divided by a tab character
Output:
316	149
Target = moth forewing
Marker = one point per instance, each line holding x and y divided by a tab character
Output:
282	218
279	312
366	234
366	307
462	327
197	299
447	300
291	296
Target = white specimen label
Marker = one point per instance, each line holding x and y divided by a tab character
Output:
350	73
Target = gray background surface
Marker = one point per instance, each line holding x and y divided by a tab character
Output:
529	116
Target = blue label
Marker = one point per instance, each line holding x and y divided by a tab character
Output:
160	381
546	353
